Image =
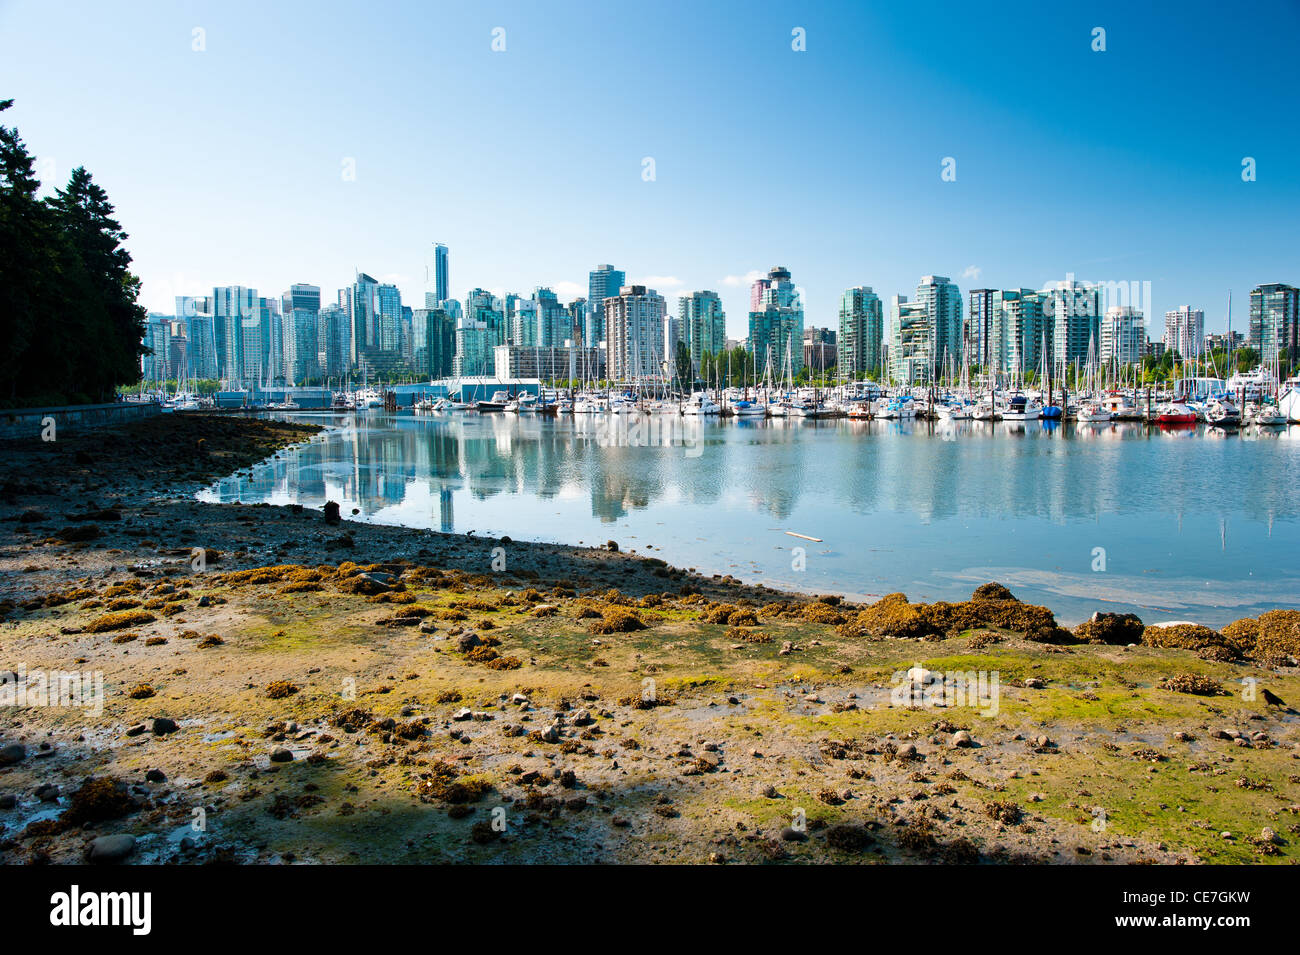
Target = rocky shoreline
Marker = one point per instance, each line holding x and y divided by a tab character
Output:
280	685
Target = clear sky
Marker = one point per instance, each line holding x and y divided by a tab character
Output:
227	163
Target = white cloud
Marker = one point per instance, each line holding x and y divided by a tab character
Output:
568	289
659	282
972	272
745	280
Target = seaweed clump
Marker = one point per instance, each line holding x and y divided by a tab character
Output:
1116	629
1206	643
119	620
616	620
443	782
1192	683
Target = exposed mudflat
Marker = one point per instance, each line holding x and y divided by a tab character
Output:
277	686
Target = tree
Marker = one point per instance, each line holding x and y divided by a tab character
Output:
682	360
71	326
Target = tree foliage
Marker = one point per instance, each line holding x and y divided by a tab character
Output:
71	326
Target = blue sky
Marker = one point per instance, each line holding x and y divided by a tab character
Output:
226	165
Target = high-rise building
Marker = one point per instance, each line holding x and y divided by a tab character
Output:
910	346
942	301
363	315
703	324
388	301
757	289
301	310
602	283
155	365
195	312
1185	331
577	310
523	321
439	276
475	344
979	326
236	323
433	342
1020	332
483	308
333	341
553	324
924	336
1123	336
634	333
861	334
1275	319
1072	321
776	326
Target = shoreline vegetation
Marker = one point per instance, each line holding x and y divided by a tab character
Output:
283	685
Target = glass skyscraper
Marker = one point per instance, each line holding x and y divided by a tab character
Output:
703	324
776	328
861	333
602	283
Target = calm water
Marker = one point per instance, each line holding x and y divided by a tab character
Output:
1190	524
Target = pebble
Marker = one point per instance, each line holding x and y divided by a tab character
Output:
163	725
962	739
156	776
281	755
8	801
791	834
12	754
112	848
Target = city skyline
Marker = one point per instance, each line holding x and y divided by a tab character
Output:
1126	166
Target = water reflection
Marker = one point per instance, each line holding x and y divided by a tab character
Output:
924	507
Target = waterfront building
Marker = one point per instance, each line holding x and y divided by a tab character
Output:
1184	331
703	324
910	355
984	303
602	282
1123	336
157	338
301	311
1019	332
554	328
634	333
552	363
363	315
236	322
475	341
523	321
437	355
925	334
388	303
196	313
483	308
819	349
776	326
1072	320
577	322
1275	319
333	341
859	345
1229	341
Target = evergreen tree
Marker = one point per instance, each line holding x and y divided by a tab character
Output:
71	325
